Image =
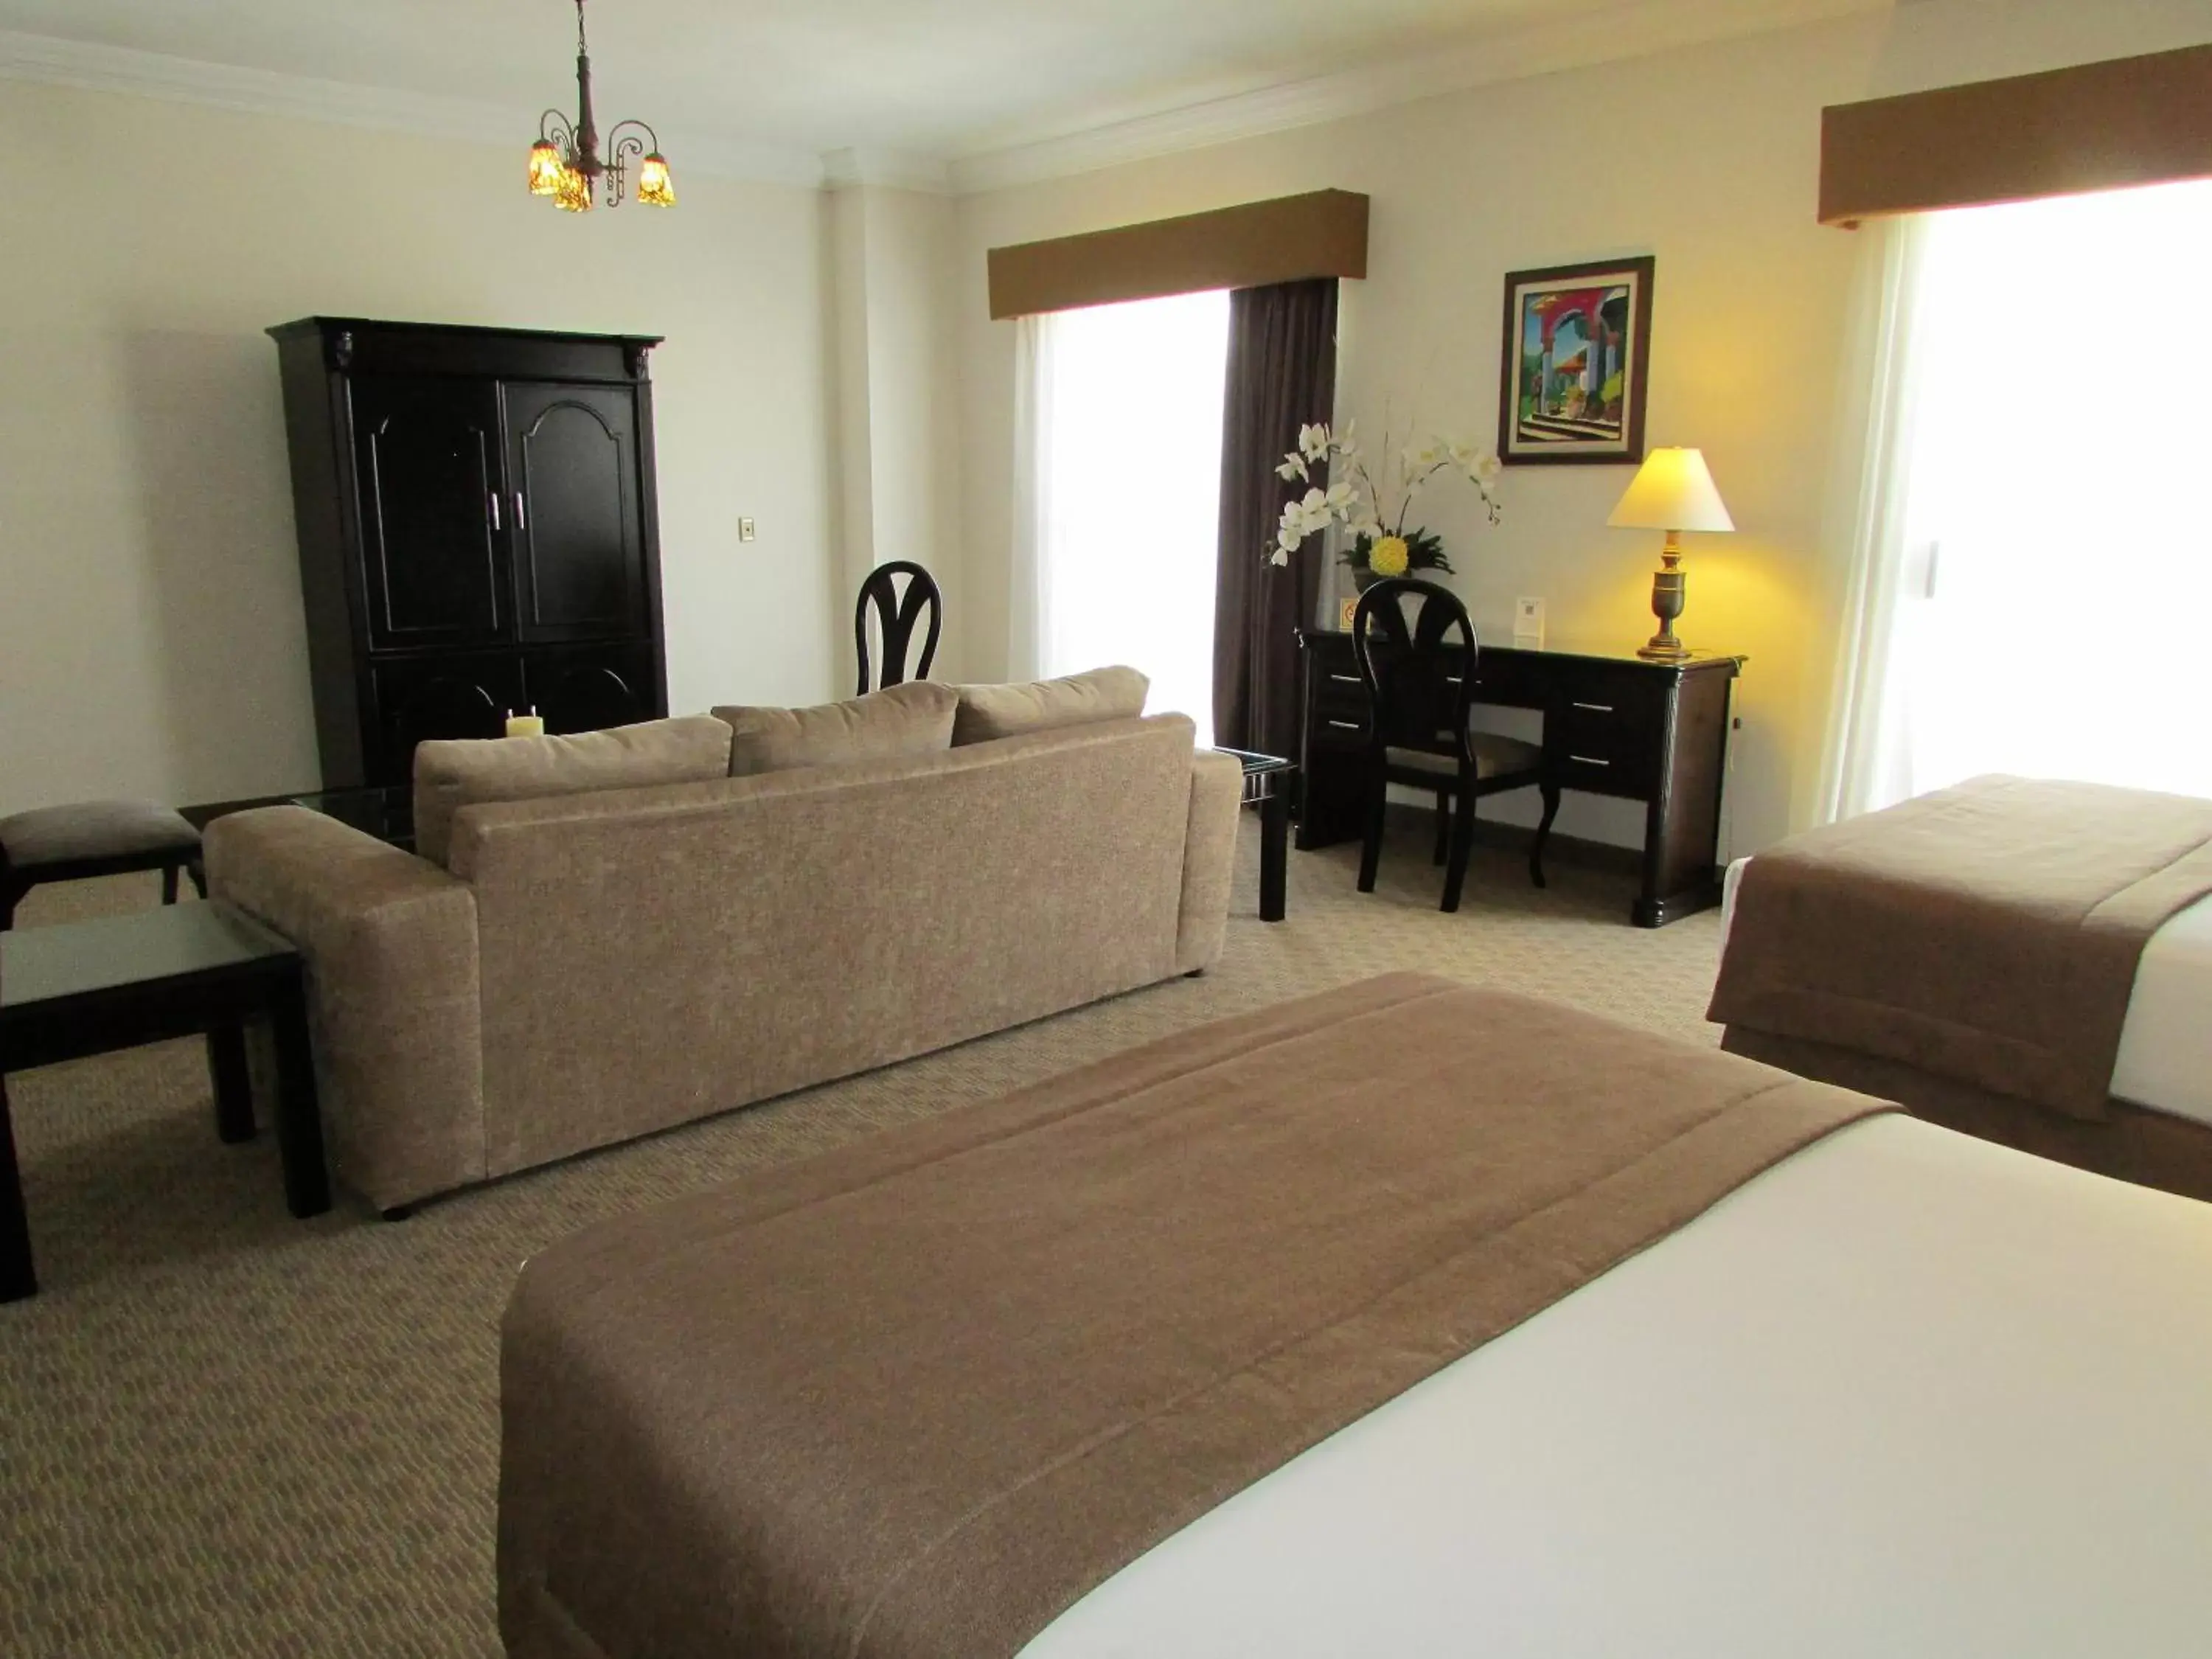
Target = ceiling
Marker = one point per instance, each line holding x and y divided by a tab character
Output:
936	79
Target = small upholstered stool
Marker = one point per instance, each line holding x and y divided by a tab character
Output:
94	838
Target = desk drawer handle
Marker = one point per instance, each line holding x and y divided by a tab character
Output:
1588	760
1346	679
1595	708
1345	726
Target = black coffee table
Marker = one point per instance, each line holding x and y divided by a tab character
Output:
88	987
1267	780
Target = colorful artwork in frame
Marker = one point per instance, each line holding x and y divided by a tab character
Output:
1578	339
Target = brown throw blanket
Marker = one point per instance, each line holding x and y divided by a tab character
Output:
1987	933
913	1398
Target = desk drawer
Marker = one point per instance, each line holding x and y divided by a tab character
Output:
1337	691
1608	749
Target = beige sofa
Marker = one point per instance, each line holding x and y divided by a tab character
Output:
593	967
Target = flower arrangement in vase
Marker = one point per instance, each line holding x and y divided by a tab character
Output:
1382	545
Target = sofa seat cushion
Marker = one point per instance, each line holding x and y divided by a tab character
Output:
49	835
456	772
910	720
990	712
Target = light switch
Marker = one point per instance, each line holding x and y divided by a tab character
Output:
744	530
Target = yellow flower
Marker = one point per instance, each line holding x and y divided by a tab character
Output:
1389	557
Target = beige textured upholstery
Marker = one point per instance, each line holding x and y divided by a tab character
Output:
990	712
914	719
600	965
391	945
1494	757
93	829
1217	790
452	773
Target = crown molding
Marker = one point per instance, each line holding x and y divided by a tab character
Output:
92	67
1620	33
842	169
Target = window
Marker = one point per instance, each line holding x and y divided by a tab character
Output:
2057	587
1129	463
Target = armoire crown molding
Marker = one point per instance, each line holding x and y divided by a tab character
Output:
94	67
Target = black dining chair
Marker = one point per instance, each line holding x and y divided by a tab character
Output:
1417	653
898	610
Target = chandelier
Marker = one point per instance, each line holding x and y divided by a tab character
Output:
565	163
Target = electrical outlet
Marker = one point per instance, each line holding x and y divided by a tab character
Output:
1528	622
744	530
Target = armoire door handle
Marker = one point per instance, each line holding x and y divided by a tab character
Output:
521	519
493	499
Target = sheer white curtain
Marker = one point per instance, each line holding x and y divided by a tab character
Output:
1117	494
2036	559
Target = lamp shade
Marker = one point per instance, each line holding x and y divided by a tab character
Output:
1672	491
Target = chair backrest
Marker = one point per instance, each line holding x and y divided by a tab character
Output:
1418	670
899	612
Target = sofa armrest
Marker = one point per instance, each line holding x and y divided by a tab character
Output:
390	943
1209	859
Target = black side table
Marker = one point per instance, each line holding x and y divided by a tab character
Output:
1269	780
88	987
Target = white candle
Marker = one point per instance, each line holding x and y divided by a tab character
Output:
531	725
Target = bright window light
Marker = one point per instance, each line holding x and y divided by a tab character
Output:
2059	516
1132	479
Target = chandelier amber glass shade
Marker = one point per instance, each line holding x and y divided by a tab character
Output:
654	187
572	192
546	168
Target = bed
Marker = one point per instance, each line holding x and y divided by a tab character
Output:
2064	929
1779	1370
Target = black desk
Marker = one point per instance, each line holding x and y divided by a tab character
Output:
1613	725
87	988
1268	781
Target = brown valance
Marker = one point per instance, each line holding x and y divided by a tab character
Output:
2099	126
1322	234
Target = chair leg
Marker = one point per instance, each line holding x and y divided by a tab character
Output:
1543	833
168	884
1443	827
1462	844
11	894
1370	846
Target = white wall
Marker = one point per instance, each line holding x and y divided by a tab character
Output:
150	633
1706	157
896	374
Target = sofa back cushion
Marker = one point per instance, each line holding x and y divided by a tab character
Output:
451	772
909	720
990	712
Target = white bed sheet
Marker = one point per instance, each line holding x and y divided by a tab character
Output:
1905	1395
2164	1061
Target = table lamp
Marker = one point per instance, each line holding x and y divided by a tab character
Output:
1672	492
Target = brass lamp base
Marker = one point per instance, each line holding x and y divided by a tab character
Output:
1668	599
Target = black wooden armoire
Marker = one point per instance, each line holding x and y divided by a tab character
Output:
477	533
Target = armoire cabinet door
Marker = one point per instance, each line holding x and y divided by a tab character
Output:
579	534
467	695
428	455
589	688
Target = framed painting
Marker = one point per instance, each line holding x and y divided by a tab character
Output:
1578	339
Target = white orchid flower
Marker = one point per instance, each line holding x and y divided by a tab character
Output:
1486	472
1287	539
1293	467
1279	556
1313	442
1339	498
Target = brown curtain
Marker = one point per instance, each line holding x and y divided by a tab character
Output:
1282	374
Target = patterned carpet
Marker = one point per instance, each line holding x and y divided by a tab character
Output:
226	1432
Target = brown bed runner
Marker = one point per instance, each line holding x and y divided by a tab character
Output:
913	1398
1987	933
